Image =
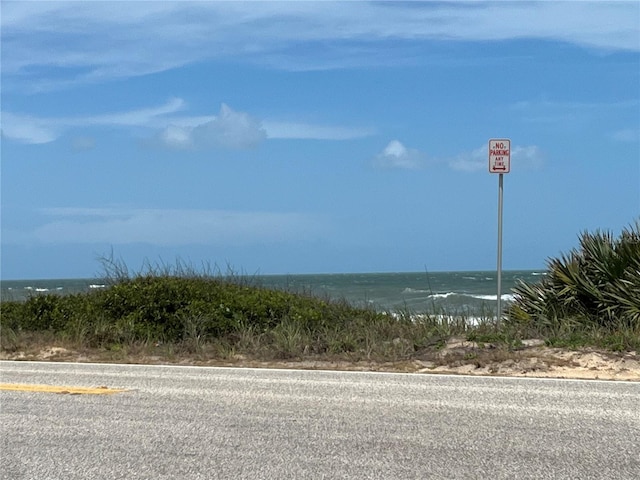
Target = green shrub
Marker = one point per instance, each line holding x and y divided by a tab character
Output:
11	313
164	307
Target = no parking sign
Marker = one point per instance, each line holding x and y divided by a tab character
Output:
499	155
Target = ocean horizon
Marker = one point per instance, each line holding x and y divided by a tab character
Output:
458	292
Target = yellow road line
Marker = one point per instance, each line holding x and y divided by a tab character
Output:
17	387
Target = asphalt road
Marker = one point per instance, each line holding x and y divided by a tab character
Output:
227	423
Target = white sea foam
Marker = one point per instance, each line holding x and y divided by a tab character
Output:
97	286
505	296
443	295
414	290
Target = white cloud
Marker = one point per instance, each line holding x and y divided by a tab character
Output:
396	155
229	129
471	161
137	117
170	227
27	129
176	138
34	130
300	130
528	157
101	44
288	130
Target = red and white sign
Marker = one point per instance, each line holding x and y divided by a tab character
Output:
499	155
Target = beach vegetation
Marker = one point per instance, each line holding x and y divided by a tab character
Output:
590	295
220	315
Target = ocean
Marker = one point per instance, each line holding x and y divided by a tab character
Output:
458	293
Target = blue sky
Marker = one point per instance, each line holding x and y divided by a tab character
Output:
311	137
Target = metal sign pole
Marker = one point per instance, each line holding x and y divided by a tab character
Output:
499	162
499	296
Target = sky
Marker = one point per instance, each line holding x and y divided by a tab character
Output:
313	137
